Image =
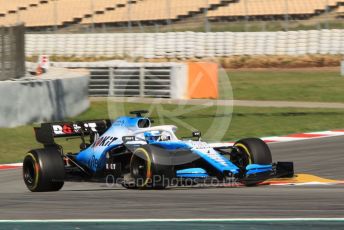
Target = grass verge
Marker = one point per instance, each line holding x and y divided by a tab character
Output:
287	86
246	122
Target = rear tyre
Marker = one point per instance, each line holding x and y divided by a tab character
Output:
43	170
252	151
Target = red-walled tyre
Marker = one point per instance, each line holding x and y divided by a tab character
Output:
43	170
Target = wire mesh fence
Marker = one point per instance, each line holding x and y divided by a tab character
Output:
12	52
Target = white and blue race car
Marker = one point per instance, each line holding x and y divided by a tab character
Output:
132	152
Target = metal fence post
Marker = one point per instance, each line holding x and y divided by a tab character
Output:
327	10
55	13
168	11
12	52
15	55
2	53
206	21
246	16
129	14
92	14
21	49
286	15
18	15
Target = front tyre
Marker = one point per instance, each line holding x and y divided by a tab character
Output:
43	170
253	151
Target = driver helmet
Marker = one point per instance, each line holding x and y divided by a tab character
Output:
151	136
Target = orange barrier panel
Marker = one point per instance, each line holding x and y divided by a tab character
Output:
203	80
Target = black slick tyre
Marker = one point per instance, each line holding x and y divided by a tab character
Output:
253	151
145	170
43	170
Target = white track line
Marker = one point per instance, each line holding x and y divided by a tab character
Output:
173	220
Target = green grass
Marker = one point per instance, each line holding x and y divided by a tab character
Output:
288	86
246	122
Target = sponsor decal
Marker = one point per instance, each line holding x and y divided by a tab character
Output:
67	129
93	162
104	141
199	145
119	123
205	149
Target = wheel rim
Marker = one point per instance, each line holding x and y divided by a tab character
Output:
243	158
141	168
29	168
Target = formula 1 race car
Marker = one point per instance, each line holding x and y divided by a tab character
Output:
137	155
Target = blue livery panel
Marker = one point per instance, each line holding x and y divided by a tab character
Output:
217	160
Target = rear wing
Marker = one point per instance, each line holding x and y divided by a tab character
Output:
49	131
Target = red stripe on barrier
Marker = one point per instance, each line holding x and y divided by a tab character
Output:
7	167
306	135
338	130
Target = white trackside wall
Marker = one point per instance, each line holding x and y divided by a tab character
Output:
187	44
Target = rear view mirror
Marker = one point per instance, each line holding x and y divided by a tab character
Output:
197	134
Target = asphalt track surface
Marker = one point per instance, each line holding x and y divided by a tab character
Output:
322	157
